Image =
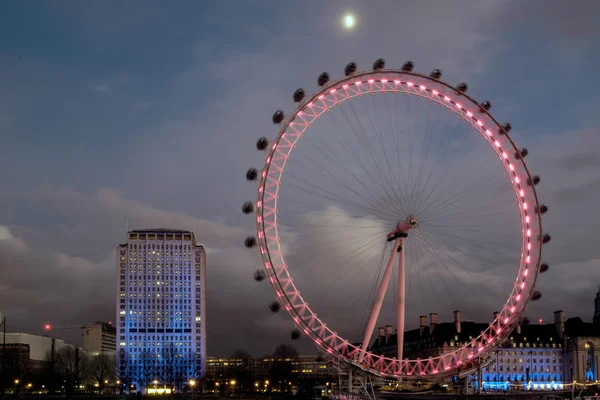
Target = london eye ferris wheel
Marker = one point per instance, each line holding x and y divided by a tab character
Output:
386	190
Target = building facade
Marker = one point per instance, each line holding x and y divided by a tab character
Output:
259	368
29	354
550	356
100	338
161	305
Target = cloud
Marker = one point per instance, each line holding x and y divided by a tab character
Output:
100	88
82	288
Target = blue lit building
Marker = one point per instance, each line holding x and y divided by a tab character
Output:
536	356
161	307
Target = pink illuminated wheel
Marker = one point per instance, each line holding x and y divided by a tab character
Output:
354	178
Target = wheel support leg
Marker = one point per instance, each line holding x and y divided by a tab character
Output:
385	280
401	306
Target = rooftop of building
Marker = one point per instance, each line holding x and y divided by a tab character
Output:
160	230
445	332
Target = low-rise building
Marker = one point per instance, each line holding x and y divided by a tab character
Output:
534	357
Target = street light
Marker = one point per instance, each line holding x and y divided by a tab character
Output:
192	384
16	381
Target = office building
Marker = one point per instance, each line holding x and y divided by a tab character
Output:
161	305
100	338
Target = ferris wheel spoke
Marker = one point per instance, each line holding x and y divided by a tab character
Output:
383	179
396	138
337	160
439	256
371	203
435	163
327	194
448	194
320	263
377	188
443	237
392	180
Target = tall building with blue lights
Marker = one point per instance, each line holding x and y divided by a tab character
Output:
161	307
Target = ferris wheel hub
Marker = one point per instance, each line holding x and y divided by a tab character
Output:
402	228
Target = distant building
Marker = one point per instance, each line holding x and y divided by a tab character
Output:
161	304
533	357
303	367
29	353
99	337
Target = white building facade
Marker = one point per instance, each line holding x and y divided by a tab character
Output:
99	338
161	304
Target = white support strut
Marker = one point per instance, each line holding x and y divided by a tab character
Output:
401	306
385	280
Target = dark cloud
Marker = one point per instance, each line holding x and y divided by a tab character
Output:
576	162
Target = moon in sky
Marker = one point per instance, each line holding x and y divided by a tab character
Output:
349	21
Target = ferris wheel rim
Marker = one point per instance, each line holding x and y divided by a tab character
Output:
406	83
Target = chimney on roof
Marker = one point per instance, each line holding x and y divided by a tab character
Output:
559	322
457	321
381	331
422	324
518	328
388	332
432	322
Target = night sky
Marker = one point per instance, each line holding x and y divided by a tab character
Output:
152	110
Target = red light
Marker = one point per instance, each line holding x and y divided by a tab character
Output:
110	322
48	327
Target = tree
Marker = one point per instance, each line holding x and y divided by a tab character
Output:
72	365
175	366
281	372
146	369
102	369
124	370
195	370
240	371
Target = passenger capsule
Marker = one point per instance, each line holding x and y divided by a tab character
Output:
248	207
436	74
521	153
259	275
295	335
486	105
278	117
250	242
543	209
462	87
379	64
533	181
546	238
350	68
408	66
323	79
505	128
299	95
544	267
251	174
536	296
262	143
274	306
